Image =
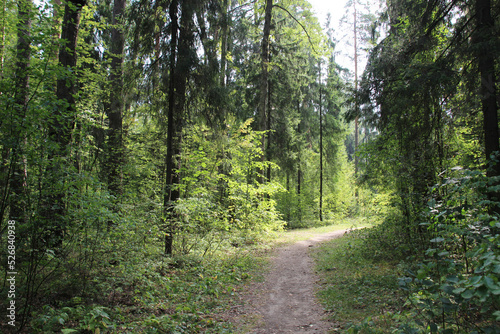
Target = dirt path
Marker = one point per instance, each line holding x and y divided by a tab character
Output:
284	302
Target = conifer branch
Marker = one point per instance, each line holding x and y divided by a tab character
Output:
303	28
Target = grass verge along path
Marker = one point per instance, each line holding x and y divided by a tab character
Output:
361	295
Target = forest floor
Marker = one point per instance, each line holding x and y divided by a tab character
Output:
283	301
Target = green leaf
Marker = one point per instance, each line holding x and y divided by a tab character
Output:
68	331
445	300
490	284
459	290
475	281
468	294
482	293
447	288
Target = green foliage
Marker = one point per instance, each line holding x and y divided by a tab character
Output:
91	319
145	292
95	267
452	285
221	185
418	93
456	288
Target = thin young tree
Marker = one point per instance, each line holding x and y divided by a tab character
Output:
19	110
356	105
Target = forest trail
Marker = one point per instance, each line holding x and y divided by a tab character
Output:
284	301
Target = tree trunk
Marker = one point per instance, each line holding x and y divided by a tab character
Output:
115	107
171	193
180	68
61	126
268	148
299	167
264	79
486	65
356	121
356	105
224	28
21	99
320	148
2	45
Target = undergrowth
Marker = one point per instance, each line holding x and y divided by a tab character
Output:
156	294
438	275
136	289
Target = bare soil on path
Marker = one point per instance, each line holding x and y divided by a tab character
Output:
284	301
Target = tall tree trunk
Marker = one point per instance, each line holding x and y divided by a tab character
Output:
264	78
2	45
225	29
21	99
299	165
320	148
61	125
356	120
171	194
268	148
356	103
486	65
5	165
115	108
181	62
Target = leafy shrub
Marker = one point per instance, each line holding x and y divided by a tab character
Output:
223	191
456	288
80	319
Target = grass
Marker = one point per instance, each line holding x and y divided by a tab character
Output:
360	294
148	293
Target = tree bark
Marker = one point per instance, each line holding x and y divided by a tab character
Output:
2	45
181	62
264	79
21	100
60	127
268	144
116	104
320	148
486	66
171	194
356	120
299	167
224	28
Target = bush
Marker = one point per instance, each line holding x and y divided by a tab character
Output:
456	288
